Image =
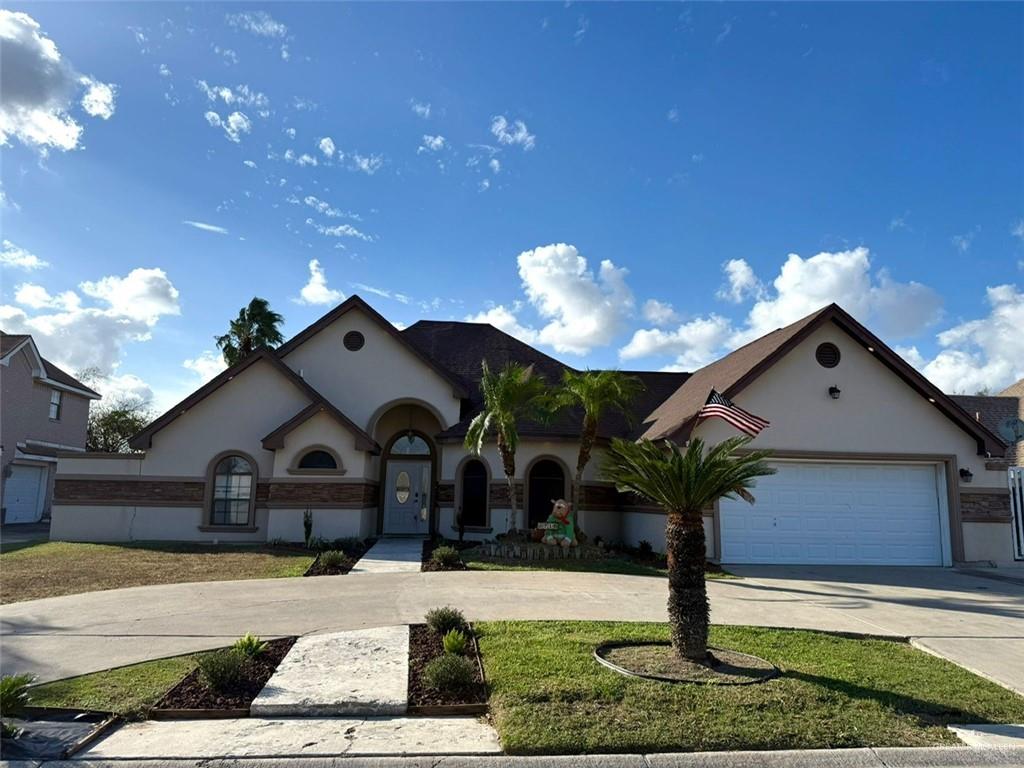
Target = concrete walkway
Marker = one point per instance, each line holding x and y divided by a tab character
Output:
976	622
391	556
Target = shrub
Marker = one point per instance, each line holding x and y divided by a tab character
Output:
455	641
349	545
449	673
14	697
444	620
645	548
332	558
249	645
445	556
307	527
222	670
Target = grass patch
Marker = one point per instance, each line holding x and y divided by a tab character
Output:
604	565
65	568
125	690
549	695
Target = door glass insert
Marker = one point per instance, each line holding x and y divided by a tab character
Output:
402	487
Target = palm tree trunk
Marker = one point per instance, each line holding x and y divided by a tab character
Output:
688	610
588	436
508	463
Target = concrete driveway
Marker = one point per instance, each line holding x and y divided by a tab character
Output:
976	622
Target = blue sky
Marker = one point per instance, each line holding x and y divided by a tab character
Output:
617	184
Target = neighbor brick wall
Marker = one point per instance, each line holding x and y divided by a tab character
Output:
985	506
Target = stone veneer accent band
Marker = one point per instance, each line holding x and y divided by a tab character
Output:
980	506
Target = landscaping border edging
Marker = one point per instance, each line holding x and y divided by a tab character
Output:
776	672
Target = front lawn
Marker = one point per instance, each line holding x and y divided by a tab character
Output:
57	568
550	696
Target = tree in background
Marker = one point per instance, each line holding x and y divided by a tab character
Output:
114	419
684	481
511	395
256	326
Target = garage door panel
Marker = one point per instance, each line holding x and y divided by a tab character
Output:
837	513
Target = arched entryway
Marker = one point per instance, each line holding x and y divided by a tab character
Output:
408	470
545	480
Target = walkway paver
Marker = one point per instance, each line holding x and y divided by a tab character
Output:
391	556
990	735
361	672
296	737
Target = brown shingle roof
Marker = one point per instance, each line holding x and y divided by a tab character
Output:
1014	390
11	341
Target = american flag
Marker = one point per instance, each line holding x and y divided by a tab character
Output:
722	407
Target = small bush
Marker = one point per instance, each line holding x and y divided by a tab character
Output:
307	527
318	544
444	620
14	697
249	645
455	641
222	670
645	548
449	673
445	556
332	558
349	545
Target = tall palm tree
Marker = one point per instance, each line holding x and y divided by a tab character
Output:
511	395
684	482
595	392
256	326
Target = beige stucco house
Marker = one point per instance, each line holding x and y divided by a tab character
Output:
43	410
362	425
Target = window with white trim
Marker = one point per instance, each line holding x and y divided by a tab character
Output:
56	400
232	491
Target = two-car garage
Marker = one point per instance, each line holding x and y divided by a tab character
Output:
839	513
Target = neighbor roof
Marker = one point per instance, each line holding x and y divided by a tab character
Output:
676	417
12	342
1014	390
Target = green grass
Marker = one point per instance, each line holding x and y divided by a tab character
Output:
606	565
64	568
550	696
125	690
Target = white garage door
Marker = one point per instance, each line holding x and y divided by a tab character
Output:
24	494
837	513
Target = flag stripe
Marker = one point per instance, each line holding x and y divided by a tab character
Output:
719	406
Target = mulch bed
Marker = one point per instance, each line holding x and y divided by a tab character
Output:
426	564
424	647
319	569
193	693
659	661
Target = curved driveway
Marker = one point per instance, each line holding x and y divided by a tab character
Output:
977	622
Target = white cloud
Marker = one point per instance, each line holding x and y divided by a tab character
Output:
121	387
673	115
326	145
514	133
234	125
431	144
483	185
504	319
75	336
583	311
206	227
1017	230
240	96
694	344
964	242
258	23
290	132
322	206
419	108
383	292
316	291
206	365
495	165
36	297
164	70
899	222
38	88
697	157
229	56
987	353
368	164
301	160
340	230
726	31
248	163
18	258
742	282
659	312
286	54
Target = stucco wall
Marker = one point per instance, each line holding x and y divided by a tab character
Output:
360	382
321	430
650	526
127	523
989	543
287	524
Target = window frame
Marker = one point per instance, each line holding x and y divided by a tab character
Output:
295	469
211	480
58	402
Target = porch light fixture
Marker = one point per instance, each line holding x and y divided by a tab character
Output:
966	475
834	392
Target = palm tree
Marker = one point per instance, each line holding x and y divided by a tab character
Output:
511	395
595	392
684	482
255	327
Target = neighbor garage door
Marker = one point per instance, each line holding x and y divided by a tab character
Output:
837	513
24	493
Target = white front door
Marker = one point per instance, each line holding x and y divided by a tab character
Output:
842	514
24	494
407	498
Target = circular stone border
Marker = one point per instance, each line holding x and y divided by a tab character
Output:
604	647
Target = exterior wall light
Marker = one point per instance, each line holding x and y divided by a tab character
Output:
833	392
966	475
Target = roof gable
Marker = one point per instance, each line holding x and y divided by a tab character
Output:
676	417
42	368
275	439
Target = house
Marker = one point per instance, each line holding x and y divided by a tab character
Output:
361	425
43	410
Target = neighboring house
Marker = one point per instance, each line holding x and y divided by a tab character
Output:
362	425
43	410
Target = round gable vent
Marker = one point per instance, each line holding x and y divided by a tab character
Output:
827	355
353	341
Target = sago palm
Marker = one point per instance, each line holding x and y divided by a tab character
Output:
684	481
595	393
511	395
256	326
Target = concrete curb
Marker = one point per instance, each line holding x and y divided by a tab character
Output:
916	757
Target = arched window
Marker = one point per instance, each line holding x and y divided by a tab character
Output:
232	491
317	459
410	445
473	507
545	482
